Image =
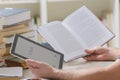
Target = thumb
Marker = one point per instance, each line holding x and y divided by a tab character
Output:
93	57
90	51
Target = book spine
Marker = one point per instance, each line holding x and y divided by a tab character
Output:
10	33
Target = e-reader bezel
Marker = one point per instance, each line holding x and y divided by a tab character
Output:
14	43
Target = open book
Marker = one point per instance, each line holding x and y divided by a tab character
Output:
80	30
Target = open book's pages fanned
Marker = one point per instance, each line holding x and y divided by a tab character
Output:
80	30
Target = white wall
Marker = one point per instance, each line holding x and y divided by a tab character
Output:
62	9
114	6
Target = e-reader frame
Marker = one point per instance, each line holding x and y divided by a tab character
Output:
15	41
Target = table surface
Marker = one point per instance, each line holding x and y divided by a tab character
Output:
76	64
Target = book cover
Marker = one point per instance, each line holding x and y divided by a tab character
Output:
17	31
29	34
15	62
10	16
16	26
11	11
80	30
9	78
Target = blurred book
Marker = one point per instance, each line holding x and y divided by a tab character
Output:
1	39
11	72
17	31
2	49
8	31
2	45
2	62
15	62
10	16
9	78
5	49
26	28
16	26
29	34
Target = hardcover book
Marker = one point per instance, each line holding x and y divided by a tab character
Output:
10	16
15	62
11	72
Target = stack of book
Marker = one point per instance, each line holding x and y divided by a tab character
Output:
15	21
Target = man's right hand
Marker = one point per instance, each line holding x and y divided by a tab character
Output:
101	53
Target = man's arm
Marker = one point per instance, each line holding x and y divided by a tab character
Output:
85	74
43	70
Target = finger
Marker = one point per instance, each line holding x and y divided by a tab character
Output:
90	51
88	58
93	57
28	62
35	64
32	62
97	50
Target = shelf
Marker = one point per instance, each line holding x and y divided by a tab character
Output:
63	0
19	2
32	1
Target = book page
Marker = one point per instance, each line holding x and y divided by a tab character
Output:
61	39
83	24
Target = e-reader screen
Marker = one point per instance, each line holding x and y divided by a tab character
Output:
25	48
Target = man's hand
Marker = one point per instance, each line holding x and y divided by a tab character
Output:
102	53
40	69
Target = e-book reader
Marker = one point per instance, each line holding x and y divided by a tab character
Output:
25	48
